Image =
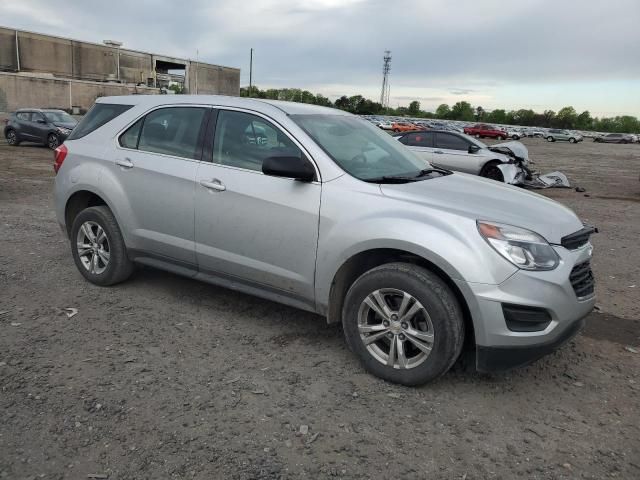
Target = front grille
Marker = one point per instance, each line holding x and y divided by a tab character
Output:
582	279
577	239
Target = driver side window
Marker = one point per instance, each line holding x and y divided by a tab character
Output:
243	140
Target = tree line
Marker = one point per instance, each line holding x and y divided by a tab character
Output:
566	117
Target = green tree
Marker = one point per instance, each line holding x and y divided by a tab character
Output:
443	111
496	116
414	108
584	121
462	111
566	117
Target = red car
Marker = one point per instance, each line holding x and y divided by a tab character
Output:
482	130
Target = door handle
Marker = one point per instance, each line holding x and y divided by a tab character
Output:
126	163
214	184
438	151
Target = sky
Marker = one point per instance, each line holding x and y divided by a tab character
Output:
538	54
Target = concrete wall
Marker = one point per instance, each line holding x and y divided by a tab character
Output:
68	58
212	80
23	91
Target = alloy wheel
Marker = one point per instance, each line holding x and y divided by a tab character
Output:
53	142
395	328
93	247
11	137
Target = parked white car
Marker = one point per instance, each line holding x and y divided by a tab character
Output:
514	134
504	162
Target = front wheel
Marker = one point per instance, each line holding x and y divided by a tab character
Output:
572	140
98	247
53	141
404	323
492	172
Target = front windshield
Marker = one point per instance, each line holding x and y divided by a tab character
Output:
59	117
359	148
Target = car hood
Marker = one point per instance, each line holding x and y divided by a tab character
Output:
68	125
516	148
483	199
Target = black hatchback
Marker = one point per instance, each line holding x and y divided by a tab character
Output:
45	126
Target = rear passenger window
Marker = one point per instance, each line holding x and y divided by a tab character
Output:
24	116
172	131
99	114
129	139
420	139
451	142
245	141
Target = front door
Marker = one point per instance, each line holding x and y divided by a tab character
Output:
251	227
452	152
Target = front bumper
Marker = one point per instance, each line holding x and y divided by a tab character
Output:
500	359
497	346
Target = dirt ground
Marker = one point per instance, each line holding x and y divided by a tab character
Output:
163	377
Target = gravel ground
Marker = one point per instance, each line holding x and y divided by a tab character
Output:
163	377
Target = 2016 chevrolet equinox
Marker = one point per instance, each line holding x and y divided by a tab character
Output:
316	208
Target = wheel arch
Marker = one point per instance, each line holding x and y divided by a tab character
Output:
364	261
77	202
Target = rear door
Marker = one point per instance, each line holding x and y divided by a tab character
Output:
421	143
156	163
253	228
452	151
25	126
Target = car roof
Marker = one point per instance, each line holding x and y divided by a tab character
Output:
260	104
39	110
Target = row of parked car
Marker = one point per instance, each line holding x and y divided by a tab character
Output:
483	130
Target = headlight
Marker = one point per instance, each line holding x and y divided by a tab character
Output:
524	248
65	131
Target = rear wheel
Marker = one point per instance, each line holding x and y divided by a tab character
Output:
98	247
53	141
502	138
12	138
572	140
404	323
550	139
491	171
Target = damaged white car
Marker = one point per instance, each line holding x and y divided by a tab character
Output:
505	162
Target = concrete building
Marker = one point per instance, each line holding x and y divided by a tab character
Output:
39	70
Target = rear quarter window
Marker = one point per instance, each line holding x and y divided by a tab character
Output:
100	114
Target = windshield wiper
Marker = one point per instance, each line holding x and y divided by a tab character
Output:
390	179
429	171
405	179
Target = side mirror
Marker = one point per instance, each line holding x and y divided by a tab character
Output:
289	167
473	148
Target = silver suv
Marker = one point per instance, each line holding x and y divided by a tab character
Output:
318	209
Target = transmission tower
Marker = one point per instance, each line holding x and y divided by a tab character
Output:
386	68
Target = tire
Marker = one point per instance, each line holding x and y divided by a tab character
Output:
117	266
502	138
572	140
515	137
12	138
551	139
491	171
53	141
440	317
478	135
